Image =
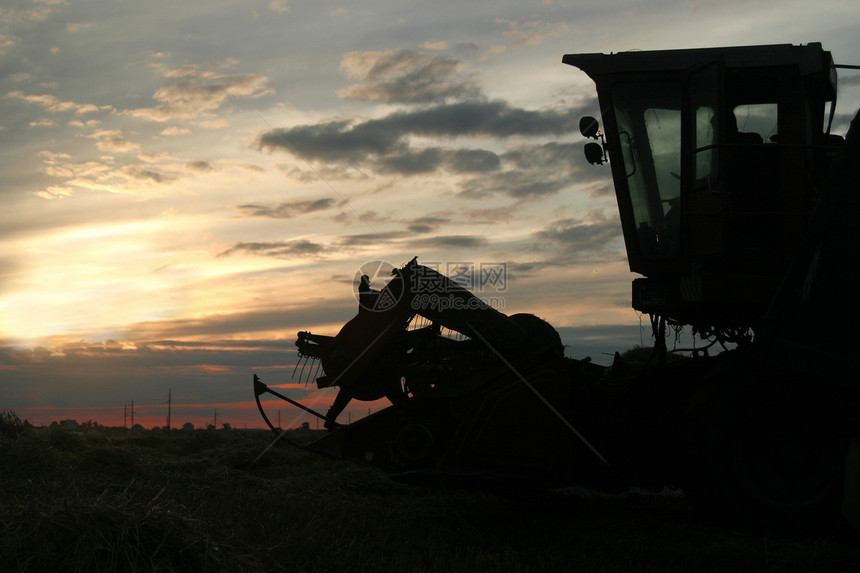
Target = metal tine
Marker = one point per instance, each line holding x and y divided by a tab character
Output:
313	365
308	369
296	366
305	369
302	368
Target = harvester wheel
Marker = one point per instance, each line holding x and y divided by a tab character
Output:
769	454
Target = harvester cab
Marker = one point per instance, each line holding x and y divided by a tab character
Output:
717	157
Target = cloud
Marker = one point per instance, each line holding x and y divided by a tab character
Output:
473	161
299	248
532	170
426	224
112	140
88	123
577	240
406	76
495	119
57	165
199	166
411	162
37	13
450	241
427	160
173	130
696	4
196	91
6	42
442	45
552	155
530	33
78	26
387	146
335	140
55	105
108	372
153	156
281	6
356	141
369	239
513	183
55	192
146	174
99	176
286	210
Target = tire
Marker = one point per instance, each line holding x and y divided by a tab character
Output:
768	452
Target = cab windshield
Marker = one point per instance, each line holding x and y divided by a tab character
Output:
648	117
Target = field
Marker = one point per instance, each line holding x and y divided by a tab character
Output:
194	501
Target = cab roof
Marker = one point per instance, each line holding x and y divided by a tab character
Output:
810	58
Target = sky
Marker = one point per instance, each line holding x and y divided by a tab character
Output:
186	185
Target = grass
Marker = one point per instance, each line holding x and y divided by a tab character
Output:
194	502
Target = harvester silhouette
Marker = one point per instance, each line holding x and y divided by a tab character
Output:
739	209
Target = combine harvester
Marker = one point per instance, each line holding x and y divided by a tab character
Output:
740	210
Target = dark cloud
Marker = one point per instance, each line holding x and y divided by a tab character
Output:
473	161
412	162
467	47
429	160
104	380
411	239
289	318
332	141
426	224
449	241
286	210
200	166
279	249
496	119
406	76
578	234
144	174
582	240
363	239
537	170
347	141
518	184
553	155
382	145
420	229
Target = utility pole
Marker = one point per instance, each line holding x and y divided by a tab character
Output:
132	415
169	404
125	416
